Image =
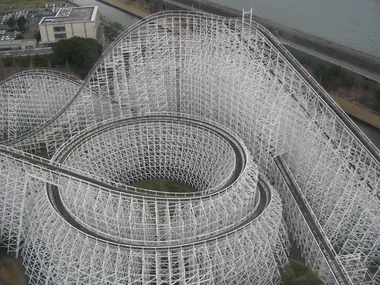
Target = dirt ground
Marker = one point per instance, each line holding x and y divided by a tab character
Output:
359	96
164	186
11	272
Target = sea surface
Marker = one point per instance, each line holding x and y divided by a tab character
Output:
352	23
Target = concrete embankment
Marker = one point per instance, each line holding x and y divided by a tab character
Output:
126	8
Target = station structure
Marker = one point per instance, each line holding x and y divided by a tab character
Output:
215	103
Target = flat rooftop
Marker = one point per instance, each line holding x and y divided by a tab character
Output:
18	42
72	14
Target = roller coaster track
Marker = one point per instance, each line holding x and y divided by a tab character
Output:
325	246
257	131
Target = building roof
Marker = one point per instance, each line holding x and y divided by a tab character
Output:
18	42
72	14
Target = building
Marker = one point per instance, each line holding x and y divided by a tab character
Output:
71	22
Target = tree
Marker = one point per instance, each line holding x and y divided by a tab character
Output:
19	37
40	61
348	81
79	53
377	90
110	33
21	23
24	61
319	71
37	36
11	22
7	61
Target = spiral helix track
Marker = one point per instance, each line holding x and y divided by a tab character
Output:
216	104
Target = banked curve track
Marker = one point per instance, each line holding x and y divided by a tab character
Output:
190	97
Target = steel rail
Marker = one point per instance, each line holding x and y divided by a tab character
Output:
329	254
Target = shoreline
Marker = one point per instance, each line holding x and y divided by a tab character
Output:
357	111
360	112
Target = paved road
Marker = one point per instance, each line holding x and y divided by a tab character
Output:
349	66
182	5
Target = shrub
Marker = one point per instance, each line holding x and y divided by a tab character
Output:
40	61
7	61
51	59
377	90
365	85
349	82
23	61
19	37
336	70
37	36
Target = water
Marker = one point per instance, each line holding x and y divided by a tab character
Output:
352	23
284	12
114	14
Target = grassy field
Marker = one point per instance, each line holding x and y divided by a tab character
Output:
299	273
5	5
164	186
10	271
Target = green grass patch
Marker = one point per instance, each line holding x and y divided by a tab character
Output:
23	61
7	61
40	61
164	186
296	273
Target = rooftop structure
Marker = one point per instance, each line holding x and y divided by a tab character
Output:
215	103
72	15
70	22
18	44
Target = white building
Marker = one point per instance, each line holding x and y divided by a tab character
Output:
71	22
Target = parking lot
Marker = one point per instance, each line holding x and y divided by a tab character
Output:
33	17
29	5
6	36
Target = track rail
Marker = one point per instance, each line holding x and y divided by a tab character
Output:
354	129
327	250
56	203
237	145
